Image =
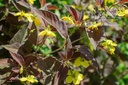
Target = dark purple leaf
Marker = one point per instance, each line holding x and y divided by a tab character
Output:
35	72
12	76
77	16
16	69
50	7
45	64
95	36
61	74
85	52
33	35
20	36
12	47
100	2
22	3
25	49
18	58
6	62
42	2
13	20
29	59
53	20
68	52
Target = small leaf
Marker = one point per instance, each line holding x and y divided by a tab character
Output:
20	36
5	62
23	3
52	7
18	58
42	2
95	36
61	74
33	35
30	59
12	47
16	69
78	16
45	64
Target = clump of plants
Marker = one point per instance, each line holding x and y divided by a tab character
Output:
84	45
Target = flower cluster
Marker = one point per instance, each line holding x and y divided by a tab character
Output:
95	25
29	79
80	61
74	76
109	45
47	32
30	17
85	17
68	19
122	12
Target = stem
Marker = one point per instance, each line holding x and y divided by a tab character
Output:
57	49
78	39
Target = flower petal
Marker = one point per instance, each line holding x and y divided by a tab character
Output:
23	79
69	79
77	61
76	81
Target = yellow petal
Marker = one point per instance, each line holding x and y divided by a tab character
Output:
21	13
69	79
68	19
36	21
76	81
80	77
85	63
32	79
69	72
43	33
21	69
23	79
85	17
51	34
77	61
31	1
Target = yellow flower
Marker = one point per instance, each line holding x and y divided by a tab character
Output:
21	69
122	12
31	1
85	17
30	79
36	21
109	45
47	32
68	19
22	14
95	25
74	76
29	17
82	61
91	8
